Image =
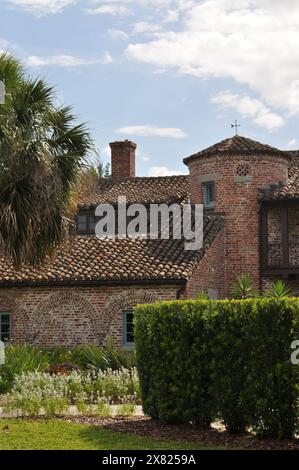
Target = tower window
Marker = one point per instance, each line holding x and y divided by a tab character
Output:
209	194
243	169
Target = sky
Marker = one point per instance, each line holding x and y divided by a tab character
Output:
171	75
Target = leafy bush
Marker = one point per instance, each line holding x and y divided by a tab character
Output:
127	409
174	346
198	360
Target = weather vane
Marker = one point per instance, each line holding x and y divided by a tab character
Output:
236	125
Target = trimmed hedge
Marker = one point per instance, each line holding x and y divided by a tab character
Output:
203	360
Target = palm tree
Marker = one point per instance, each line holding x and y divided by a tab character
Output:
42	151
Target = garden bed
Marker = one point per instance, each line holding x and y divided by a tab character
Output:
215	437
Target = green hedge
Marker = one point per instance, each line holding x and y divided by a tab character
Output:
203	360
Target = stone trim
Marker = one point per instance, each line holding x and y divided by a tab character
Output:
210	177
243	179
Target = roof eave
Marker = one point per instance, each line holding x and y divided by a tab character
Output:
200	155
99	282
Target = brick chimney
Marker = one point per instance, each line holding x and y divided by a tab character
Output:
123	159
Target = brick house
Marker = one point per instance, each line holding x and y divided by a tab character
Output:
87	292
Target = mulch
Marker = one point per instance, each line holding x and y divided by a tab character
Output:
215	436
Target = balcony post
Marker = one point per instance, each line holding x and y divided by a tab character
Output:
284	235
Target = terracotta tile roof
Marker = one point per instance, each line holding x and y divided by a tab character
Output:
140	190
287	191
89	259
237	145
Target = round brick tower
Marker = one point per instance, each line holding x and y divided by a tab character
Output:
226	178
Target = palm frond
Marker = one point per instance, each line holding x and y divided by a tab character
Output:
42	150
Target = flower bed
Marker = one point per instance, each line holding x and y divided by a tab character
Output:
91	391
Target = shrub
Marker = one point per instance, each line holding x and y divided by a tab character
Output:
198	360
126	410
229	363
103	410
174	361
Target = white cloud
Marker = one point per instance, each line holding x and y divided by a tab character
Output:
6	45
153	131
66	61
172	16
145	158
106	152
106	59
250	108
254	42
125	7
162	171
42	7
292	143
118	34
116	9
144	27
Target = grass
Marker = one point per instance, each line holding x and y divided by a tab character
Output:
25	434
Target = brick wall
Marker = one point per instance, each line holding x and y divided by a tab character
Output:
208	276
72	316
237	198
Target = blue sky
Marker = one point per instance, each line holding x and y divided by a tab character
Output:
171	75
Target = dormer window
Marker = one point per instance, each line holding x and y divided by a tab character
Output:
209	194
86	223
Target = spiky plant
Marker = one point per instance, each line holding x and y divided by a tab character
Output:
243	288
201	296
42	151
279	290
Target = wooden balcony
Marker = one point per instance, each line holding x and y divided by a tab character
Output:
279	235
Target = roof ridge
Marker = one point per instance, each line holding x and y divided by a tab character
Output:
134	178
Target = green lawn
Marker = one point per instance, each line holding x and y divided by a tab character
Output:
20	434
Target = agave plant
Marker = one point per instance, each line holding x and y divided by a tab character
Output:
42	151
279	290
243	288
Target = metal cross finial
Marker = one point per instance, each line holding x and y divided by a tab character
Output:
236	125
